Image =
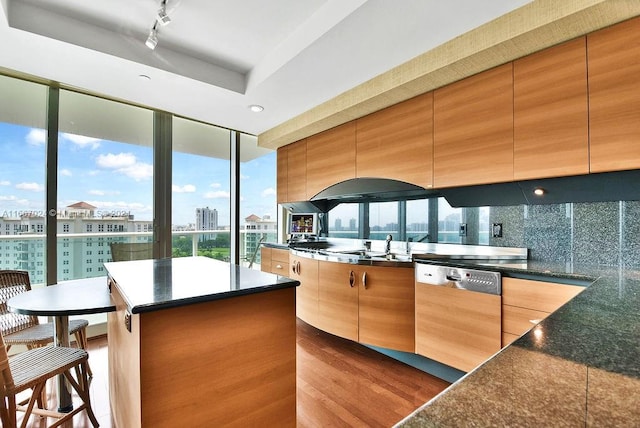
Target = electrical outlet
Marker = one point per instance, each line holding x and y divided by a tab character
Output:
496	230
463	229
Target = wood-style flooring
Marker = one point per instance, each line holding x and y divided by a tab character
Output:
340	384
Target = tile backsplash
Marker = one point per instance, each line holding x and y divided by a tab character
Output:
601	233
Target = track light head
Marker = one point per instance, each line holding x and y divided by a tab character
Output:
163	18
152	40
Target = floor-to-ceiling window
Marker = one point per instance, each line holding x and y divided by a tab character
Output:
23	122
105	181
201	190
258	207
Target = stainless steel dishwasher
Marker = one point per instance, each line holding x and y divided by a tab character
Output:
458	314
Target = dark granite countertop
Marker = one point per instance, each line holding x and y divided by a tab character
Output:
579	367
149	285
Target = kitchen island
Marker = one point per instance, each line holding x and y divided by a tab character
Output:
199	342
578	367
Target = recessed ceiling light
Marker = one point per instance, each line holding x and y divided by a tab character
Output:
256	108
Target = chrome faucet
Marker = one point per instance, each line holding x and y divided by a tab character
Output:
387	249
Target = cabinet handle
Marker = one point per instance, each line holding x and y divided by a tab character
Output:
352	279
295	268
278	266
364	280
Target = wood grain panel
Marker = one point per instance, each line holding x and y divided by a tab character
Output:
397	142
508	338
537	295
279	255
307	291
518	321
265	259
240	352
387	308
331	158
282	174
297	171
457	327
124	367
473	129
614	97
551	118
338	299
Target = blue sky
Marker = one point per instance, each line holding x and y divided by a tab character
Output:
118	177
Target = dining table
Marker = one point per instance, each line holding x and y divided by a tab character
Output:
60	301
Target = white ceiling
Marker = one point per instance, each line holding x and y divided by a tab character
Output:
218	57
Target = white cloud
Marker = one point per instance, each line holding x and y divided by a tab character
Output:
187	188
5	183
97	192
270	191
139	171
215	185
111	161
127	164
65	173
82	141
220	194
33	187
37	137
8	198
244	177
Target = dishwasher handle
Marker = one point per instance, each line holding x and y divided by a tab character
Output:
451	277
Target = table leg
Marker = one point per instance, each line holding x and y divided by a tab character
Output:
61	329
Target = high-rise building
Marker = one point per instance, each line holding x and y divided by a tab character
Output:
83	234
256	231
206	219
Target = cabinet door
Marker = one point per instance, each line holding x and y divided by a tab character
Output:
387	307
297	171
551	119
265	259
614	97
473	130
338	299
457	327
397	142
282	174
306	271
331	158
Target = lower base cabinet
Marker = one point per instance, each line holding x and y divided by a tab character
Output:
373	305
527	302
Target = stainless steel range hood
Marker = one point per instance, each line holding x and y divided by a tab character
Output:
374	190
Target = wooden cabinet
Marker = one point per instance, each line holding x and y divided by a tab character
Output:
373	305
331	158
456	327
525	303
614	97
551	117
338	299
297	171
387	307
397	142
274	260
473	130
306	271
282	174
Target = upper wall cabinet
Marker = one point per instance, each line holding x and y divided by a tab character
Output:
397	142
614	97
297	171
331	158
473	129
551	118
281	176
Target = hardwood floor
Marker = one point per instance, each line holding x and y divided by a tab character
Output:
340	384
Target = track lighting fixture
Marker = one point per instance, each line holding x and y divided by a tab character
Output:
162	19
152	40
